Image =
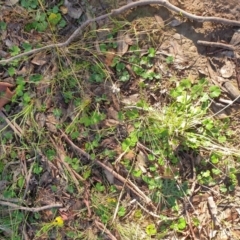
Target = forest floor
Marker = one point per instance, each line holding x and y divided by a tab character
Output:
130	131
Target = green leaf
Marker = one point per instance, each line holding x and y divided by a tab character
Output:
36	78
55	9
121	211
206	174
214	158
185	83
222	139
120	66
21	182
99	187
28	4
124	77
103	47
169	60
3	26
151	229
144	60
41	26
54	18
62	23
26	98
137	173
26	46
181	224
215	91
151	52
15	50
11	71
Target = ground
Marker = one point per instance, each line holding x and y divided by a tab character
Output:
130	131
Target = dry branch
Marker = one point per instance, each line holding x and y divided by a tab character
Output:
216	44
115	12
36	209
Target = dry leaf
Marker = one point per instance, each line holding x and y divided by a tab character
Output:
159	20
6	93
232	91
122	44
40	59
227	70
73	10
109	57
11	2
141	162
112	114
110	122
64	10
175	23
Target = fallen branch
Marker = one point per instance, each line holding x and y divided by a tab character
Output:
103	228
118	11
216	44
36	209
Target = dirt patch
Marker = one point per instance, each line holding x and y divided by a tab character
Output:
219	8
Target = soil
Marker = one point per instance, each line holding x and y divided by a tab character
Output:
219	8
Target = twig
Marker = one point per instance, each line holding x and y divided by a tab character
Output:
120	157
17	129
190	226
213	210
61	158
27	181
118	11
121	193
153	214
216	44
36	209
104	229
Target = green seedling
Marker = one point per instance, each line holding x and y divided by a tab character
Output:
169	60
3	26
29	4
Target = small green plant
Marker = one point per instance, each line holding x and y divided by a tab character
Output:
97	73
47	227
169	60
14	50
29	4
180	225
151	229
74	163
3	26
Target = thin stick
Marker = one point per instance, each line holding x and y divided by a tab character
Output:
104	229
28	181
164	3
216	44
36	209
17	130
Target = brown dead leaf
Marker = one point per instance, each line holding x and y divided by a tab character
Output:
64	10
51	122
40	59
227	70
112	113
5	93
159	20
109	57
130	155
110	122
123	41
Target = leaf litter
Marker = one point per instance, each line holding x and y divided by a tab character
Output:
102	132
